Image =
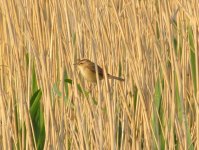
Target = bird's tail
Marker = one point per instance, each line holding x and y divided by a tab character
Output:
114	77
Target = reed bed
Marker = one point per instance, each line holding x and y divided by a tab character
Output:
46	104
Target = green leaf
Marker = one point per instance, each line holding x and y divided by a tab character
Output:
56	90
192	58
158	114
94	101
34	81
35	102
158	94
119	138
175	43
37	118
181	115
36	113
157	31
74	38
135	96
27	59
120	69
68	81
79	88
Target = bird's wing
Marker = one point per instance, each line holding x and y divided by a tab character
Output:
100	70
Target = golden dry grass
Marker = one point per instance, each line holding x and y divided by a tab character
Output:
153	44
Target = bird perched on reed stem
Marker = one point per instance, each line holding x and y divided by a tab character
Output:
87	69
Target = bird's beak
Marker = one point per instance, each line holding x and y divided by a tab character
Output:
75	64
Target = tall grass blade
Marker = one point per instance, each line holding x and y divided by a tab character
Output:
192	58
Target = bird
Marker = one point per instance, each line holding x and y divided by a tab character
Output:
87	69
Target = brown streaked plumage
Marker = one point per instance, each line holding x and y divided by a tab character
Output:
87	69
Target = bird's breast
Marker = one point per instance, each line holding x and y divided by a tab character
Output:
88	74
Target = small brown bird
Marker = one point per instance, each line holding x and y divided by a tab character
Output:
87	69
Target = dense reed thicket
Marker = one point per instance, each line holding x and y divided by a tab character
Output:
46	104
